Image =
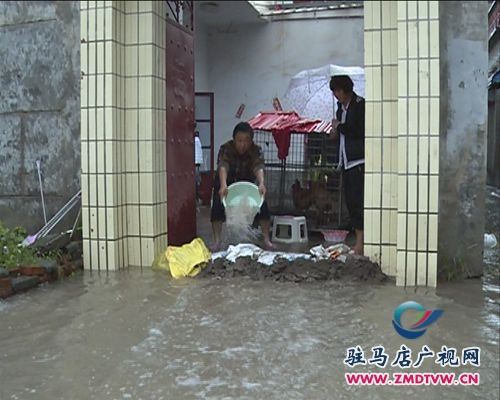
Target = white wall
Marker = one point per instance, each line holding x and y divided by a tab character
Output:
251	64
201	58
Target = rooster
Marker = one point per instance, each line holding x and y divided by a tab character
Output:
302	198
323	200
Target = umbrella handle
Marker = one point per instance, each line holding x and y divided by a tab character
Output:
41	190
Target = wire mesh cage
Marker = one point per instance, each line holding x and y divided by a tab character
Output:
306	182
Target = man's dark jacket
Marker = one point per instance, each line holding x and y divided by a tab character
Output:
353	128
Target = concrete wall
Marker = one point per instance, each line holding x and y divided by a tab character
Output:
201	61
462	174
39	108
493	157
253	63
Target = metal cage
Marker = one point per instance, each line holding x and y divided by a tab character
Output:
306	182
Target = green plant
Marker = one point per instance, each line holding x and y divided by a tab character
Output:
12	254
451	269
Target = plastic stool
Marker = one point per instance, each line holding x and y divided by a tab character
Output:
289	229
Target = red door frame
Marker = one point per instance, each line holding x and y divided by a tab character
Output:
181	206
211	96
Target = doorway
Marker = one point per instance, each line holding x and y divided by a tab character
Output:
204	120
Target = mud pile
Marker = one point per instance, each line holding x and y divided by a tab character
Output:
355	269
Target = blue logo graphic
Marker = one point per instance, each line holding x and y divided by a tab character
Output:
417	329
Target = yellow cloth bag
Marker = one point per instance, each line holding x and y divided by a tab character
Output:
186	260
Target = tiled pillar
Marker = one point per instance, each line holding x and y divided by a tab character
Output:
381	155
402	138
123	134
145	138
418	140
103	200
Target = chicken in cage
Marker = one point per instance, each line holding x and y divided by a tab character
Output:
306	182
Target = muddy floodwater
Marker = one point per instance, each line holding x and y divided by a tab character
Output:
139	334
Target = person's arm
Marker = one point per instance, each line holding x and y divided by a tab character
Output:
259	174
258	169
334	134
223	182
354	126
223	166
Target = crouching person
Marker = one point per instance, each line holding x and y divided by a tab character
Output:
239	159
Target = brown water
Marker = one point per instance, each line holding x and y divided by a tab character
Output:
141	335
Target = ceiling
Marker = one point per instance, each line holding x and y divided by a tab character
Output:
224	13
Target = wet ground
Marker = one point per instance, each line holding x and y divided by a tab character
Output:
141	335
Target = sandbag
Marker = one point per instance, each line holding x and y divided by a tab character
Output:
183	261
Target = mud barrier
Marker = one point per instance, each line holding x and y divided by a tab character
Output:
356	268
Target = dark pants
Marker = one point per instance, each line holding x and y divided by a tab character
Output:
354	190
218	212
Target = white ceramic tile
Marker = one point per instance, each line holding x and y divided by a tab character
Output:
145	92
423	193
134	252
146	156
402	233
423	39
432	274
434	155
402	200
413	116
368	36
411	267
421	269
433	194
422	232
387	191
402	116
402	40
368	15
412	9
385	227
376	179
413	75
376	14
412	193
386	154
423	117
434	116
401	268
146	188
434	39
434	80
433	232
412	155
132	185
377	119
423	78
412	39
376	83
423	155
434	9
147	252
401	10
422	9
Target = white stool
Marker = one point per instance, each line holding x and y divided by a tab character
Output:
289	229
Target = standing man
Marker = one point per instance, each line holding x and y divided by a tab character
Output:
349	129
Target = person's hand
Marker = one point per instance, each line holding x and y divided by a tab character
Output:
335	123
223	191
334	133
262	189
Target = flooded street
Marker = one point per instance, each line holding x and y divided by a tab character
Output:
141	335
